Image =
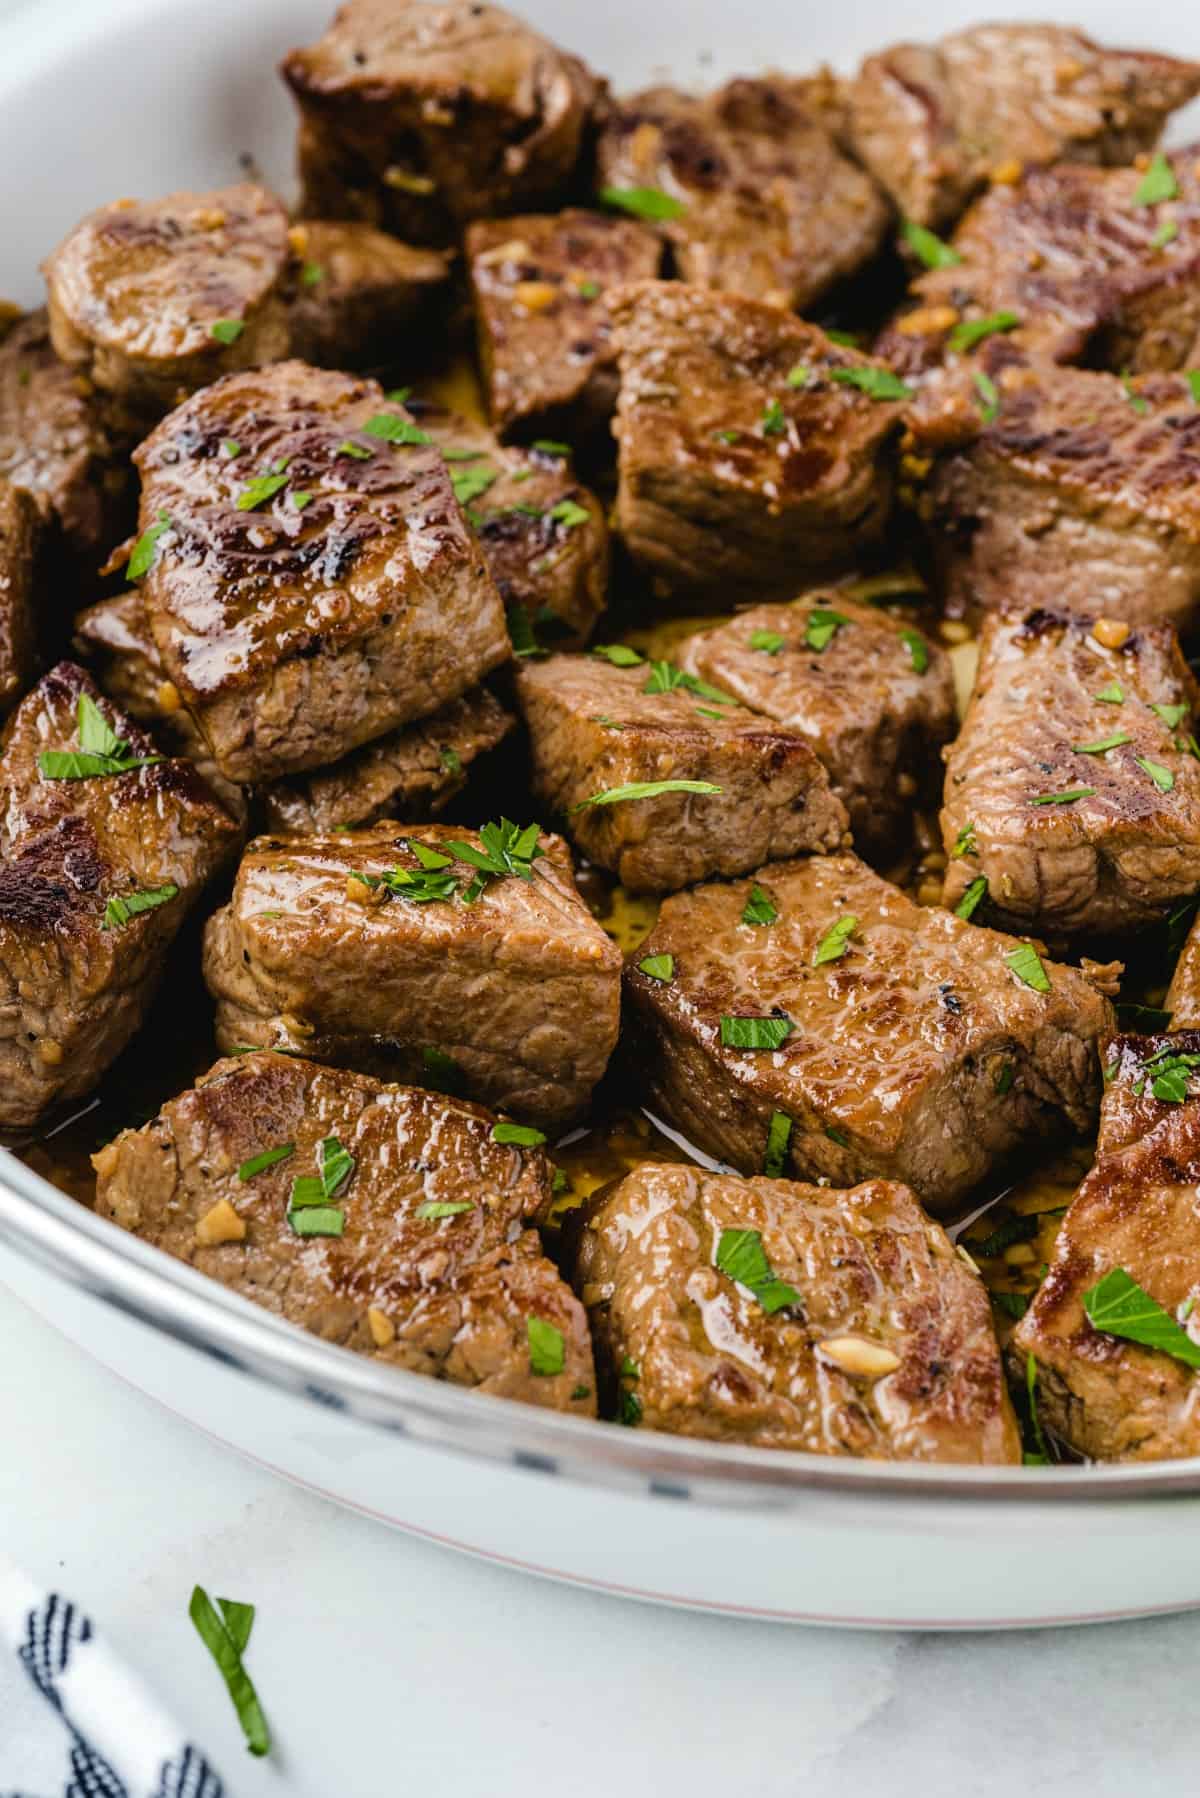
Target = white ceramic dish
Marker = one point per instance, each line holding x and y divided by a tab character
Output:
139	96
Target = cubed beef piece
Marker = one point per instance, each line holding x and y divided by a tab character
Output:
935	122
19	529
599	733
424	1260
758	198
874	697
56	445
151	299
1135	1215
419	117
1183	994
356	291
1075	265
748	454
314	582
102	853
543	534
545	340
512	991
873	1339
1073	791
1083	493
909	1045
412	773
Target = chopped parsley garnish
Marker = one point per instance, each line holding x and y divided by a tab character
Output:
658	967
1068	796
547	1347
611	723
619	654
1170	1077
664	677
822	627
309	1210
1157	184
1003	1078
145	549
569	513
227	330
312	274
470	483
972	899
836	941
1012	1304
348	447
727	436
1167	232
774	420
1171	715
230	448
102	752
1192	377
121	908
258	1163
973	330
643	202
521	633
441	1070
507	848
450	759
1103	744
258	491
769	642
521	1136
779	1135
300	500
1120	1307
588	290
1113	694
917	648
801	376
1026	964
928	247
426	885
226	1636
390	428
630	1413
989	395
758	908
1132	395
741	1257
1162	777
549	447
964	842
645	789
755	1033
433	1209
399	396
1021	1227
876	383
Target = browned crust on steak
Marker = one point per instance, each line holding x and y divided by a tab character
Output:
19	531
355	290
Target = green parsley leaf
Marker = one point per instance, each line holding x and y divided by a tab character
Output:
1171	1077
917	648
227	330
619	654
876	383
104	753
521	633
971	900
989	395
964	842
971	331
1026	964
779	1135
1103	744
1120	1307
1157	184
549	447
631	1409
399	396
1132	395
450	759
588	290
1171	715
1113	694
612	723
144	550
801	376
1067	797
774	420
1003	1078
569	513
1162	777
522	1136
643	202
433	1209
547	1348
347	447
268	1158
258	491
300	500
758	908
419	886
1167	232
741	1257
755	1033
506	848
1192	377
836	941
927	246
471	483
658	967
317	1220
390	428
442	1072
230	448
96	734
646	789
1012	1304
122	907
769	642
312	274
822	627
664	677
727	436
226	1641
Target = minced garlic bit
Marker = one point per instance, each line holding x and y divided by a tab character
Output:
168	697
928	319
50	1053
207	218
221	1224
407	182
514	249
362	894
382	1329
1111	633
298	240
869	1360
1008	173
535	296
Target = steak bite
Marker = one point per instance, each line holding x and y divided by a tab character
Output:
314	583
1073	790
418	118
935	122
412	773
749	455
372	946
1135	1216
104	846
19	530
873	697
874	1339
1183	994
151	299
1082	494
56	445
890	1040
545	341
759	199
357	291
752	790
421	1255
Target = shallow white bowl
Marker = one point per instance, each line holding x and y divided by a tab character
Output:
141	96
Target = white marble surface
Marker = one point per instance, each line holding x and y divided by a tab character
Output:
388	1665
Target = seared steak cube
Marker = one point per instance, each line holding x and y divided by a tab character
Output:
1073	791
412	773
314	582
1083	493
419	117
1135	1220
857	1034
751	790
19	528
150	299
353	948
872	1338
874	697
758	198
104	846
935	122
355	292
1183	994
421	1255
749	454
543	534
57	446
545	341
